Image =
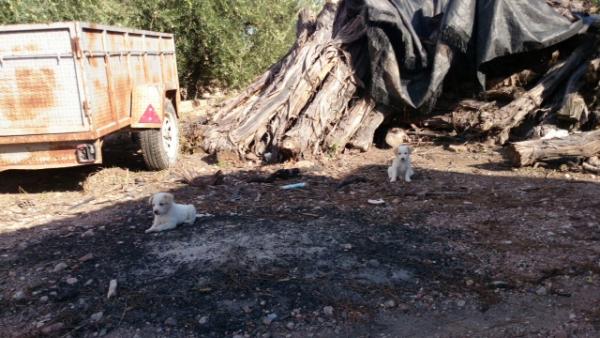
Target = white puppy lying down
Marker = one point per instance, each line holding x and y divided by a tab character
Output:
168	214
401	166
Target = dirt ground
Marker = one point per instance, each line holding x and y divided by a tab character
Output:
470	248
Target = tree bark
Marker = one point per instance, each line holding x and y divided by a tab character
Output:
302	104
502	121
363	139
573	107
529	152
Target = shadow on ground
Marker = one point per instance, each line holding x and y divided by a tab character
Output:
274	261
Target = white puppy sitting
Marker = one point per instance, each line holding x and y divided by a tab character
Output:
401	166
168	214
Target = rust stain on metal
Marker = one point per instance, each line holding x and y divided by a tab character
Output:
111	88
31	47
37	155
35	93
8	101
122	96
76	47
39	127
36	87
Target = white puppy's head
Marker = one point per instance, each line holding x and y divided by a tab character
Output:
161	203
403	153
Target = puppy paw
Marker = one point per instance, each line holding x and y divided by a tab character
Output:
149	230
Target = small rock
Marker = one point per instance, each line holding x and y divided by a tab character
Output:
203	320
171	321
112	289
86	258
96	317
60	266
44	299
304	164
541	291
403	307
395	137
461	303
267	157
346	246
594	160
373	263
72	280
52	328
19	295
499	284
328	310
269	318
457	148
87	234
469	282
572	316
390	303
290	325
246	309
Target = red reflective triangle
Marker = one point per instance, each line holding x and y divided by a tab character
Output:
150	116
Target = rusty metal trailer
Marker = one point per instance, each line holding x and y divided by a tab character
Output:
65	86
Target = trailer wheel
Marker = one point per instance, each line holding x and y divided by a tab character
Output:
161	146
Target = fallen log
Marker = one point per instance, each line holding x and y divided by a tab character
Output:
526	153
573	108
591	168
502	121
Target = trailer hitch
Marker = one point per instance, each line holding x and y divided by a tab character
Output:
86	153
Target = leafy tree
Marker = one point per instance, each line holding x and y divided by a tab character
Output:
217	40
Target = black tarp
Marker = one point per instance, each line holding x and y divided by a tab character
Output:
411	43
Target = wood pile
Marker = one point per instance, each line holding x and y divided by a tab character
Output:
313	101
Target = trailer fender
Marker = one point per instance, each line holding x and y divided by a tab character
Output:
147	106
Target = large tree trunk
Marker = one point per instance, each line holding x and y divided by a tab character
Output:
313	100
305	103
575	145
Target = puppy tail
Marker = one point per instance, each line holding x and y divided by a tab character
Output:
204	215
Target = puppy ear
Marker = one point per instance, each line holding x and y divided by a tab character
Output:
150	200
410	150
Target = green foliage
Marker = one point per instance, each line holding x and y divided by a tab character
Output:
217	40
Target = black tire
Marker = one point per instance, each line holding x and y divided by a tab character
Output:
160	147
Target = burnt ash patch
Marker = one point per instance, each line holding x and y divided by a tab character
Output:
355	268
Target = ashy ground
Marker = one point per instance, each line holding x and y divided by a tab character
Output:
470	248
